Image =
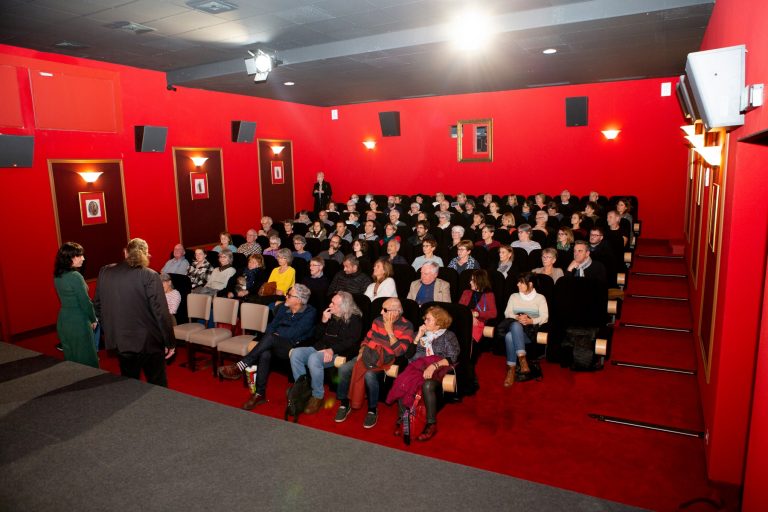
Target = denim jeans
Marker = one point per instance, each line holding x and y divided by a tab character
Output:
303	357
372	383
515	340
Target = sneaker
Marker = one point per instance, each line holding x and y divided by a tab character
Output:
342	413
370	419
60	347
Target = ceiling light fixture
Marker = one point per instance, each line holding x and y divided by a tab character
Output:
369	144
611	134
471	31
289	83
549	51
260	64
90	176
198	160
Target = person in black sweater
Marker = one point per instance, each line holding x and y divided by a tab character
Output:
338	333
583	265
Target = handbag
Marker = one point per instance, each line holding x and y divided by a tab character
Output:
267	289
414	419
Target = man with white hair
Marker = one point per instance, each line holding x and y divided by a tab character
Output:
293	323
428	287
321	192
251	246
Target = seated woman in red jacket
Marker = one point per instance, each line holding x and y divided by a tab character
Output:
480	299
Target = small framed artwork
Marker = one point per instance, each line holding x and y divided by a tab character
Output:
278	172
199	183
92	208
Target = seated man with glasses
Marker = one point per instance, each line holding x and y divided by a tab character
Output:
293	323
390	330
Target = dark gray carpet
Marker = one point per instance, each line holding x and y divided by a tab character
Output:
79	439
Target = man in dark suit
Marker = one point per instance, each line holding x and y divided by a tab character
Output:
131	306
321	192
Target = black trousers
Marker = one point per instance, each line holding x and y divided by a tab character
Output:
153	366
261	355
429	397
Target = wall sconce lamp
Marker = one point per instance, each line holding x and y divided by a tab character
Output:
369	144
276	150
611	134
697	141
198	160
689	130
713	155
90	176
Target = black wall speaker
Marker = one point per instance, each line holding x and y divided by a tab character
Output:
243	131
576	111
151	139
390	124
16	150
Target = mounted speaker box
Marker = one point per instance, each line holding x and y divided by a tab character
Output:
243	131
717	79
390	124
576	111
151	139
16	150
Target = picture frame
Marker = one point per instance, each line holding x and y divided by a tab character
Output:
277	172
198	182
475	140
92	208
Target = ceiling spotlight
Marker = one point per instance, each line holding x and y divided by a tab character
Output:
549	51
259	64
289	83
471	30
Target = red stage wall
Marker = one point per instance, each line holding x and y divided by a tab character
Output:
727	398
533	149
194	118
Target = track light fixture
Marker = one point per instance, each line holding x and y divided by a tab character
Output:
260	64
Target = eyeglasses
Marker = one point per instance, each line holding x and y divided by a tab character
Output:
385	310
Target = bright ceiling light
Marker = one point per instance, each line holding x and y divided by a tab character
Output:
289	83
471	30
549	51
259	64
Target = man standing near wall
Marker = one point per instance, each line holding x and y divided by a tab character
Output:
321	192
130	304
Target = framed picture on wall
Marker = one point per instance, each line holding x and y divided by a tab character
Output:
92	208
199	184
278	172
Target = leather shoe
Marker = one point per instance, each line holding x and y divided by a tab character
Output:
231	372
256	399
398	429
428	433
313	405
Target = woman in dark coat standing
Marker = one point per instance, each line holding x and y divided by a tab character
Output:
77	319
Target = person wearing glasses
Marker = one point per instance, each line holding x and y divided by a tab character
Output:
217	281
437	350
393	333
294	322
464	260
548	259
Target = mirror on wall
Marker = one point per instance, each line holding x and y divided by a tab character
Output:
475	140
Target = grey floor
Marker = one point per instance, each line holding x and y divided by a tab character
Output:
76	438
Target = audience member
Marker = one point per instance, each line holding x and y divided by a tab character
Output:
178	264
251	246
334	250
428	287
172	296
529	310
548	259
583	265
284	276
464	260
350	279
524	239
199	270
428	246
480	300
299	242
506	259
383	285
393	249
316	281
225	243
220	276
293	323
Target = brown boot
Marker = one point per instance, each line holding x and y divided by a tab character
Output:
313	406
524	365
509	380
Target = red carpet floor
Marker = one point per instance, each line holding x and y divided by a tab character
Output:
541	431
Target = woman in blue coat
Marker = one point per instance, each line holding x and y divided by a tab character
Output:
77	319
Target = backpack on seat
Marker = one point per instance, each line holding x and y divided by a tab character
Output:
298	395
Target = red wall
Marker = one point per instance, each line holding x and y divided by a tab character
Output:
727	397
194	118
533	149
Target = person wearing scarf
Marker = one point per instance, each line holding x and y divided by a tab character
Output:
529	310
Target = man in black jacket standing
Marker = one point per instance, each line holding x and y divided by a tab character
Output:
321	192
130	304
